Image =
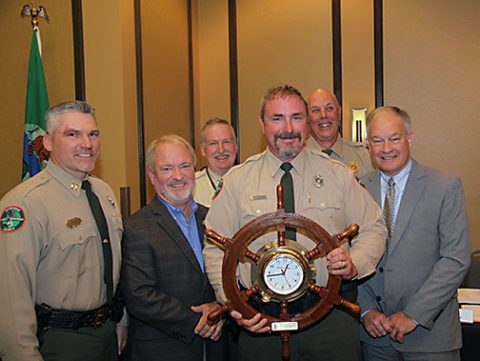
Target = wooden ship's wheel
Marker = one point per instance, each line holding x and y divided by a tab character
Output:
284	270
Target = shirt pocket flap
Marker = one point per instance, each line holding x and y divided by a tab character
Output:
117	223
78	235
323	201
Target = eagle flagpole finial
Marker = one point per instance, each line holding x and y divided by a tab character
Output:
34	13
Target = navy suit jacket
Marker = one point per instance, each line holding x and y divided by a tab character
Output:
161	279
427	258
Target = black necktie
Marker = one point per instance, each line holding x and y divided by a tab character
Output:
288	197
103	230
328	151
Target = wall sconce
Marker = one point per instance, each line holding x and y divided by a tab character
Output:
359	124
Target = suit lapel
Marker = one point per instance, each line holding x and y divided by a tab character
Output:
411	195
200	215
373	186
173	231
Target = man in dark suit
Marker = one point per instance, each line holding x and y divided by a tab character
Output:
410	309
167	293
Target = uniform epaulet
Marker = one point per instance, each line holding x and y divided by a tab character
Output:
318	153
254	157
23	189
355	144
200	174
338	163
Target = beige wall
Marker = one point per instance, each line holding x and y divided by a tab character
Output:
58	66
432	70
279	43
358	66
165	70
212	77
110	88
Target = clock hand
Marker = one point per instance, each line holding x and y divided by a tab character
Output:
284	270
275	274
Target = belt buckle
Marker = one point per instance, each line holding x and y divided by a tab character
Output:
98	322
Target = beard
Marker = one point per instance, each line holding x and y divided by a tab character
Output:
177	198
288	153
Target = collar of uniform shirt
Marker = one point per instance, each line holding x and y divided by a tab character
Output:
337	147
400	183
65	178
274	164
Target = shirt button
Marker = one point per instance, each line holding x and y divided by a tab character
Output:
258	211
378	298
380	269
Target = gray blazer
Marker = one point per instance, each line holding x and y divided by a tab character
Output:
427	258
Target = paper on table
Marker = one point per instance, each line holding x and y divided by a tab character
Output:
469	295
466	316
475	309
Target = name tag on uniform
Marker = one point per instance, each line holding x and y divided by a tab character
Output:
258	197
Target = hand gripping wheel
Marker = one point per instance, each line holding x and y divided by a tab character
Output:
285	270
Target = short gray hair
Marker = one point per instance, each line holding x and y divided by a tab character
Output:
215	121
52	117
283	90
170	138
407	122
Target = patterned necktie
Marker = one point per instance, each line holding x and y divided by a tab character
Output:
328	151
103	230
288	197
219	188
389	206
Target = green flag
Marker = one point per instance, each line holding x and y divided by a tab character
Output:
35	155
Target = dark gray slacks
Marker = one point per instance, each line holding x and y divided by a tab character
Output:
388	353
335	338
84	344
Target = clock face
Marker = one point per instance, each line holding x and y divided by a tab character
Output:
283	275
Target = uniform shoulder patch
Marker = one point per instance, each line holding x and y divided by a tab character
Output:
12	219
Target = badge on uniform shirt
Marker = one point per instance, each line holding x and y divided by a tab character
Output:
353	166
112	202
73	222
12	219
318	181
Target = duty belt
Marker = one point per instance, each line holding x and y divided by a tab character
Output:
48	317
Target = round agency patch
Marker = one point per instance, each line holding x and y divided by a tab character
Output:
12	219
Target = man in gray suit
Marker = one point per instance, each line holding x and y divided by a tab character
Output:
166	290
410	309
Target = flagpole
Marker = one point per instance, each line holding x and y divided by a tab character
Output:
35	156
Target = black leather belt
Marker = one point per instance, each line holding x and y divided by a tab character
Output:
48	317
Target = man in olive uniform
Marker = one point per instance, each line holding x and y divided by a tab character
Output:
325	191
219	147
324	114
57	273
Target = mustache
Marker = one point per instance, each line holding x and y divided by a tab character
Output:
288	136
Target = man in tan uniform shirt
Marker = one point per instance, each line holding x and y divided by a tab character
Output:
324	114
51	251
219	146
325	191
